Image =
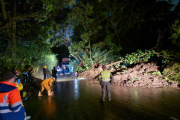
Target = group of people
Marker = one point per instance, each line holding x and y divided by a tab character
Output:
56	71
11	106
47	82
105	79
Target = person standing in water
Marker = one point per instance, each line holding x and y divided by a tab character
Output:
105	79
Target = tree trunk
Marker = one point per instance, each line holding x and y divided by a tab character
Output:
14	31
3	10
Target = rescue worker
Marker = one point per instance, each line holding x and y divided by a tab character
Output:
11	106
63	70
45	72
47	83
19	85
58	70
106	79
54	73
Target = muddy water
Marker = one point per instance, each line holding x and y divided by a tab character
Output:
79	100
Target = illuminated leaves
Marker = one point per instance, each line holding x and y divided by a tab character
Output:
138	56
175	30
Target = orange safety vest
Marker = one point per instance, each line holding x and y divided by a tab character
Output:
11	106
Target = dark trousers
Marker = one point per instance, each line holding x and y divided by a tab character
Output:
45	76
54	77
106	86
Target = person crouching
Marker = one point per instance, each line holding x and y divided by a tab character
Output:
47	83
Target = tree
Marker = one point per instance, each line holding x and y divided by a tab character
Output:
26	28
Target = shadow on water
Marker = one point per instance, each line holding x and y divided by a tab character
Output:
79	100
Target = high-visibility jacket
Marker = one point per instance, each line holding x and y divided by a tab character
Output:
11	107
105	76
47	81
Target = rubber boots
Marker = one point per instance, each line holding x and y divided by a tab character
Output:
50	93
39	94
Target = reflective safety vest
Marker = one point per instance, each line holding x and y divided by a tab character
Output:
105	76
11	107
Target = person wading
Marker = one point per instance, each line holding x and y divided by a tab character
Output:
47	83
106	79
58	70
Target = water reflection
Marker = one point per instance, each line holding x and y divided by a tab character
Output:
58	87
79	100
151	100
49	106
76	89
135	95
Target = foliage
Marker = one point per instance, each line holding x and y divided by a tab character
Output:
79	69
155	73
144	56
29	30
138	56
50	61
123	25
102	56
26	32
172	72
82	49
133	79
175	31
97	55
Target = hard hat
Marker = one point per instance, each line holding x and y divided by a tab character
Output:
45	66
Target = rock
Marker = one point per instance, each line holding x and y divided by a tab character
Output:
138	76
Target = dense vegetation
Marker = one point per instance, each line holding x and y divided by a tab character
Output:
35	33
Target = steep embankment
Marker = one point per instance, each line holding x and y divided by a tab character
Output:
141	75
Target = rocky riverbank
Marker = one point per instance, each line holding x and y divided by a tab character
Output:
144	75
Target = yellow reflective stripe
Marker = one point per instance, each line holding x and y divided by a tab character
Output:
105	75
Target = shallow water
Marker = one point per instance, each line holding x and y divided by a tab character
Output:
80	100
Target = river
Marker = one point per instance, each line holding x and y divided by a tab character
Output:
79	100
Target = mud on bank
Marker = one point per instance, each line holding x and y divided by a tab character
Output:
144	75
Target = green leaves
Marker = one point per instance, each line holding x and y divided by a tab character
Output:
172	72
175	33
82	51
138	56
81	15
33	23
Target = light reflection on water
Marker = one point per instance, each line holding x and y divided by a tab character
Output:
49	107
76	89
81	100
